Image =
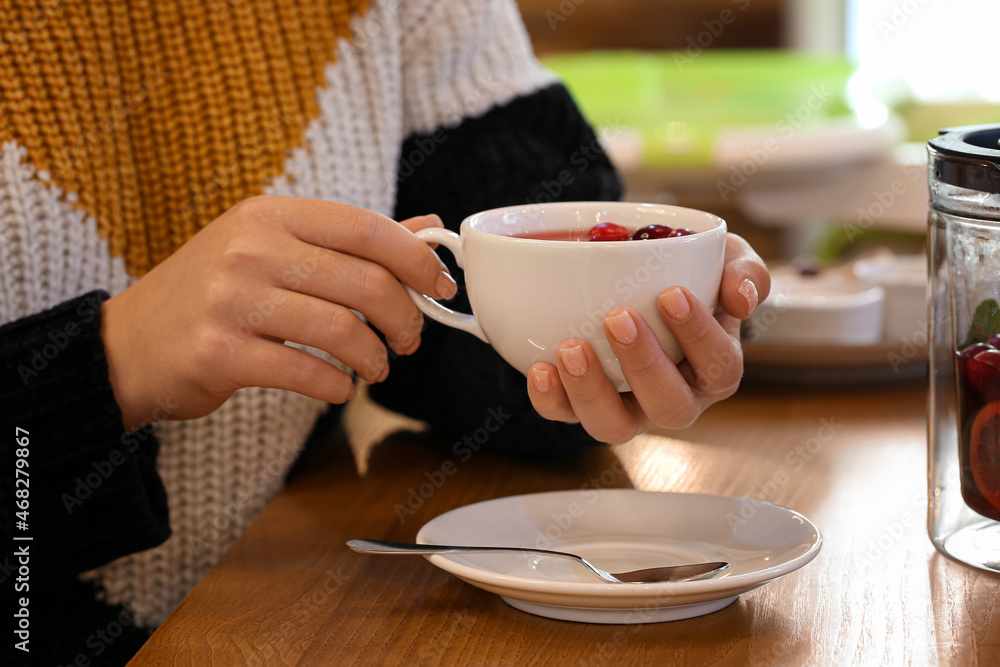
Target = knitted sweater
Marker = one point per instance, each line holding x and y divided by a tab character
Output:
127	127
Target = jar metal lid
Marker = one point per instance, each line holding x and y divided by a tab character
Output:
967	157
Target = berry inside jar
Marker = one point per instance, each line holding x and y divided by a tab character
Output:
977	365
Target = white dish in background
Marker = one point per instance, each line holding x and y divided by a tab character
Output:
622	529
868	193
904	280
830	308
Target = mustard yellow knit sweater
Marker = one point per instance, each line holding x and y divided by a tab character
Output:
125	127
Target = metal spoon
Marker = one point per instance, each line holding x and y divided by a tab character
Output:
649	575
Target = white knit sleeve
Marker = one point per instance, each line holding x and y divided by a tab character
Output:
463	57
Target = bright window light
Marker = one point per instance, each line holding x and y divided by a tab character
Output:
942	50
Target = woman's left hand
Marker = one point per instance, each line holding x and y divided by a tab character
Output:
663	394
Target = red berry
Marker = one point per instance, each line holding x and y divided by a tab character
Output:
984	444
808	266
652	232
983	370
994	341
974	349
607	231
681	232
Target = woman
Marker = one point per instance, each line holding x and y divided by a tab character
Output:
226	171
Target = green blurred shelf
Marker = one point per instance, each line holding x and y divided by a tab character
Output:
679	104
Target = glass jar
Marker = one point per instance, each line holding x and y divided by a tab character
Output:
964	315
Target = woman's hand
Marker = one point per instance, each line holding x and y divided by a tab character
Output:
214	316
663	394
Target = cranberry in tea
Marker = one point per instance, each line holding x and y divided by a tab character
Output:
652	232
608	231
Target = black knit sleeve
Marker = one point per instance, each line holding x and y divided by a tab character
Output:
92	490
536	148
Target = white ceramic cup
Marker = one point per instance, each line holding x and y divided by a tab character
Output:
530	295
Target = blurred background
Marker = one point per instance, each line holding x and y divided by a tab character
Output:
802	122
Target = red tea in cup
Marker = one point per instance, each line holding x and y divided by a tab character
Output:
607	231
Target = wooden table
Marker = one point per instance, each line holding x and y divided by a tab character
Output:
852	459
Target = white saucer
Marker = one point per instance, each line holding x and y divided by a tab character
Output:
618	530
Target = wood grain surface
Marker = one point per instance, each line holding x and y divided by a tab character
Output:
853	460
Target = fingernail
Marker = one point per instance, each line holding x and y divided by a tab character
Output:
749	292
446	287
541	380
676	304
574	360
384	374
432	218
622	327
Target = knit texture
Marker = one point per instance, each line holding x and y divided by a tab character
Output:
512	155
82	469
105	98
91	198
93	492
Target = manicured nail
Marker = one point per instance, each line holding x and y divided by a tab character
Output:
446	287
676	304
622	327
433	219
541	380
749	292
574	360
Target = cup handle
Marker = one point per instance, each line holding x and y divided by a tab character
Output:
432	308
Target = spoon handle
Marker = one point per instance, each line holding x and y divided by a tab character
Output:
384	547
648	575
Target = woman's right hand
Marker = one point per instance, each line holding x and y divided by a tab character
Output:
214	316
